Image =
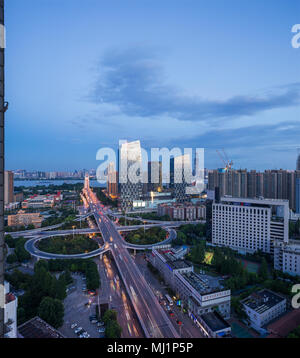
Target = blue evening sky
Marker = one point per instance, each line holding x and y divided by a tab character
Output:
80	75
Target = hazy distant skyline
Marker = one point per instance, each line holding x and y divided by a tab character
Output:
218	74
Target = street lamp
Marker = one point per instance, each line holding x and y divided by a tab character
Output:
73	227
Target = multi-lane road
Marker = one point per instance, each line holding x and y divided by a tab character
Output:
153	320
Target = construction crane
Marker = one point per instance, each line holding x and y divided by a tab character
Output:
227	163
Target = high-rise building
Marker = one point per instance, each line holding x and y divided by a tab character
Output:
86	181
112	180
2	111
249	225
298	159
130	174
182	175
298	196
271	184
154	176
8	187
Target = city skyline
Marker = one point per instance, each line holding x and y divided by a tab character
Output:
221	79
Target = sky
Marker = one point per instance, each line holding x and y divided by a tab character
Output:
214	74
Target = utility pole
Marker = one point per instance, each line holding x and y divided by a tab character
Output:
3	108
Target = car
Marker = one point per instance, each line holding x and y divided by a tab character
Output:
171	313
91	318
94	320
73	325
85	335
100	324
101	330
77	330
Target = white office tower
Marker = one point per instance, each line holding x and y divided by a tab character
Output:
130	174
249	225
182	177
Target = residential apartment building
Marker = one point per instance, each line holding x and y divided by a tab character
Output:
184	211
263	307
249	225
270	184
8	187
112	181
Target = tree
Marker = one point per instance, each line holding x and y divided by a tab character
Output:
109	315
52	311
113	330
12	258
263	270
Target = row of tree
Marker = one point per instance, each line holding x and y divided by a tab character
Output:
68	245
87	267
150	236
20	254
44	294
189	234
112	327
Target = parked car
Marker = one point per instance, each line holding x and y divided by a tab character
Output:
100	324
92	317
77	330
101	330
73	325
171	313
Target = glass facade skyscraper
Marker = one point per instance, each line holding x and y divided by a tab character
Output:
130	173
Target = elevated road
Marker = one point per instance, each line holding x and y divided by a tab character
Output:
152	317
30	246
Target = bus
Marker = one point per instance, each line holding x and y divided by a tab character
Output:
169	300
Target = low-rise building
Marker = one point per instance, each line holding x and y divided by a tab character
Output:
182	211
287	258
168	264
200	293
212	325
263	307
38	328
10	312
25	219
41	201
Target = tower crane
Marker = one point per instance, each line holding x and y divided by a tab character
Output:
227	163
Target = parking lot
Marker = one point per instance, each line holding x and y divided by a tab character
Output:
78	312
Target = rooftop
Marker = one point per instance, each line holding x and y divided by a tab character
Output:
262	301
204	284
171	257
215	321
38	328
